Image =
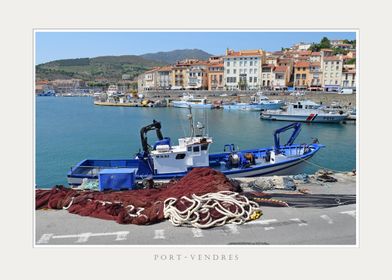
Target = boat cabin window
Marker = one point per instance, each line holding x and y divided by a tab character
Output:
189	149
196	149
204	147
299	106
180	156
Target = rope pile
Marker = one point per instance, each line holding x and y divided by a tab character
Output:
211	209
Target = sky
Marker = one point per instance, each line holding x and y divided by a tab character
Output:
62	45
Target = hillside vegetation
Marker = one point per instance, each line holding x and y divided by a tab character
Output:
112	67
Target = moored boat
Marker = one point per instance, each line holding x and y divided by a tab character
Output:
187	100
164	161
304	111
258	102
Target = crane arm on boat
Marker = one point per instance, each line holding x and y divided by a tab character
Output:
297	129
143	134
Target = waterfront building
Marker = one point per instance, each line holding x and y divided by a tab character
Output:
164	77
150	79
197	76
288	62
281	77
332	67
301	74
267	76
315	76
242	69
349	76
215	73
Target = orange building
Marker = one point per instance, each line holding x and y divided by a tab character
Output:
301	74
215	72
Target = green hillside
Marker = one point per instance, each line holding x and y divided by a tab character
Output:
107	67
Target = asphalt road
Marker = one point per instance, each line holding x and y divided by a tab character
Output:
326	217
277	226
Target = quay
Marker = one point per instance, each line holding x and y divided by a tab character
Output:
320	213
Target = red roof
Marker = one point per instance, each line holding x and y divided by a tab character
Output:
302	64
332	58
315	54
244	52
315	64
280	69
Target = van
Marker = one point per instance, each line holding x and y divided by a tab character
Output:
346	91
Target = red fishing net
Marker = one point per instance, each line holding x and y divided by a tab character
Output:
132	206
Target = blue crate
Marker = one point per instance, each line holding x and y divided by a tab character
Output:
117	178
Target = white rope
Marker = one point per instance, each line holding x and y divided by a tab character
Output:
202	205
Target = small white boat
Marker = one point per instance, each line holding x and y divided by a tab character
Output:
258	102
187	100
304	111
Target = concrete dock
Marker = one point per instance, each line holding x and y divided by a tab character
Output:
326	215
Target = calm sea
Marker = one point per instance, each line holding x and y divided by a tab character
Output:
69	129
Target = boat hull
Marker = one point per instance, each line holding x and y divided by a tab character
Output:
310	118
192	105
252	107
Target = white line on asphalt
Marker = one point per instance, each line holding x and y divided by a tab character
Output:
351	213
327	218
197	233
159	234
233	228
299	221
45	238
262	222
268	228
83	237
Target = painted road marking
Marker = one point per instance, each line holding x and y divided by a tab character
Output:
327	218
265	223
300	222
197	233
45	238
232	228
269	228
159	234
84	237
351	213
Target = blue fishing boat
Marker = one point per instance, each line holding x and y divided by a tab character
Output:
164	160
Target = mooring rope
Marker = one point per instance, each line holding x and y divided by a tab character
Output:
234	208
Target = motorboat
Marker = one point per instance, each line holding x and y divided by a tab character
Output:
258	102
188	100
304	111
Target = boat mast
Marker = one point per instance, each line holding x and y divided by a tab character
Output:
190	117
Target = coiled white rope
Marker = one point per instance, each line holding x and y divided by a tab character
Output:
222	202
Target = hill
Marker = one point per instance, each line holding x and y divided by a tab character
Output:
172	57
107	67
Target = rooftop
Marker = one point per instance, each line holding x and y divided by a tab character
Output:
302	64
280	69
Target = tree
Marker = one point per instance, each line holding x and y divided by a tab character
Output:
325	43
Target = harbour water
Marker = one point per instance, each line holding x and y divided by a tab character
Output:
69	130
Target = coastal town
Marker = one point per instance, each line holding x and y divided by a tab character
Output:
297	67
326	67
